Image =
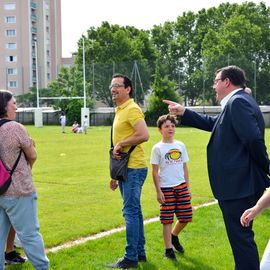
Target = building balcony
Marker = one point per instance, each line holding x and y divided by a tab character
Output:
33	5
34	30
33	18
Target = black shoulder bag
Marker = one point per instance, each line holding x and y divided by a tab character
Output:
118	167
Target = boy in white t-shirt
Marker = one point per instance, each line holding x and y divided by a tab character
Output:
170	176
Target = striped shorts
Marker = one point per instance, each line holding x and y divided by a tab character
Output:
177	201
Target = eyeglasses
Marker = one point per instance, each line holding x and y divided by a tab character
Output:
116	86
216	80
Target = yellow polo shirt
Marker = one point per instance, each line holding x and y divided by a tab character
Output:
126	116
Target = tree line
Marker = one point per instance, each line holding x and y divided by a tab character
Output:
176	59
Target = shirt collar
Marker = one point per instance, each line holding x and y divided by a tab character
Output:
225	100
125	104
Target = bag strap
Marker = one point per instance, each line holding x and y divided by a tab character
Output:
16	163
130	149
2	122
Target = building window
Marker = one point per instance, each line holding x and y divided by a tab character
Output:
48	76
11	33
12	84
10	6
11	58
11	46
12	71
10	19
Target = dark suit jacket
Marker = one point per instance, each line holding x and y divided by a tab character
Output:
238	164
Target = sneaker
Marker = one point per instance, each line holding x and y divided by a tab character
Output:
169	253
124	263
176	244
13	257
142	258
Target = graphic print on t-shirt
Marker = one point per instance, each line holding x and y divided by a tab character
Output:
173	156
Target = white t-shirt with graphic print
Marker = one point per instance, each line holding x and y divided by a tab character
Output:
170	157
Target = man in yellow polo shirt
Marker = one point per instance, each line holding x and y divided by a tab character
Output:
129	128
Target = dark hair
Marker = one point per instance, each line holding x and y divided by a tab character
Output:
5	97
163	118
235	74
127	82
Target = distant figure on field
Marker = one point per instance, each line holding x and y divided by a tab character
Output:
62	121
85	124
75	127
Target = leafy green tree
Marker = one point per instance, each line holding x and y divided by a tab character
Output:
29	99
162	88
189	50
69	84
242	39
113	49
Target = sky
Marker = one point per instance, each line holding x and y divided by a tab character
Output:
80	15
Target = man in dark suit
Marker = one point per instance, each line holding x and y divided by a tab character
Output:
238	164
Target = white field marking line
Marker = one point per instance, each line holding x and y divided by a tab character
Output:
110	232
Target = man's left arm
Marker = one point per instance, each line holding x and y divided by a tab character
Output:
250	131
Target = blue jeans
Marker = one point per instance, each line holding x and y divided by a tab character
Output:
132	212
21	213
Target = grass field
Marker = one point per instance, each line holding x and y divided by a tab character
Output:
71	177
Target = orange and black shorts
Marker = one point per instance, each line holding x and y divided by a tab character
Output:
177	201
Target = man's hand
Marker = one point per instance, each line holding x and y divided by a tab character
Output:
174	108
116	151
113	184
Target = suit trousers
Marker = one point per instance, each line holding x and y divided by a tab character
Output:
241	238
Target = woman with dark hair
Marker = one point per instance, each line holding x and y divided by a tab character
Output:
18	207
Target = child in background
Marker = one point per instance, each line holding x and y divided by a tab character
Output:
62	121
170	176
85	124
75	127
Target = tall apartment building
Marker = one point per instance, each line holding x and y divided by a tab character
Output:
31	45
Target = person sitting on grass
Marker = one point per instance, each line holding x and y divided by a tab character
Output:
75	127
170	175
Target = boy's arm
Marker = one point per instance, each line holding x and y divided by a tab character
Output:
186	176
155	176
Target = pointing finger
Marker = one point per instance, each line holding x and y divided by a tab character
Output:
169	102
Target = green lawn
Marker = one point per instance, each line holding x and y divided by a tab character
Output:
71	177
